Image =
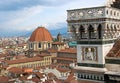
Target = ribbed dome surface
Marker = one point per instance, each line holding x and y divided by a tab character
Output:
40	34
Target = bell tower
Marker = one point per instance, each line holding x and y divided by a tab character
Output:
95	30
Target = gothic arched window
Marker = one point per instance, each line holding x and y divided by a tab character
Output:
99	31
82	32
73	29
74	32
91	31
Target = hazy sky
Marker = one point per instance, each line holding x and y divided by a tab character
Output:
28	14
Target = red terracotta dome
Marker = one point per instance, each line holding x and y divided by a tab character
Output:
40	34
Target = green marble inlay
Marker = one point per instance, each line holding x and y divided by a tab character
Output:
95	42
91	65
113	61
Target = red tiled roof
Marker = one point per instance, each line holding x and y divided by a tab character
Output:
20	57
52	50
70	78
21	45
115	51
58	43
40	75
28	70
4	79
43	55
33	59
34	79
69	50
23	78
58	80
15	70
4	67
41	34
68	59
51	75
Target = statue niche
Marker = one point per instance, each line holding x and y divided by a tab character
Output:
90	54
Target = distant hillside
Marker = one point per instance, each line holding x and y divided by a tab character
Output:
63	31
59	27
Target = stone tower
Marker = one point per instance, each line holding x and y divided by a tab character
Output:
95	30
59	37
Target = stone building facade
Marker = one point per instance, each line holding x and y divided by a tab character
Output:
95	29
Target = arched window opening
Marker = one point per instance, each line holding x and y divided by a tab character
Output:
91	32
115	28
100	30
107	27
31	45
48	45
73	29
107	12
115	13
39	45
74	32
111	12
82	32
112	28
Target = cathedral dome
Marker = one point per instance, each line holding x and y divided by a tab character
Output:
40	34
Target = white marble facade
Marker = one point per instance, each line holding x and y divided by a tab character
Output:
98	53
103	22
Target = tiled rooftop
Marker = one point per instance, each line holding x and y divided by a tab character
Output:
69	50
40	34
23	60
115	51
4	79
15	70
52	50
58	43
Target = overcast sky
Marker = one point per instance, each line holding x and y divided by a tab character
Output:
28	14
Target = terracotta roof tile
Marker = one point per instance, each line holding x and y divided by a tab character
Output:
115	51
28	70
21	45
24	60
15	70
40	75
52	50
20	57
70	78
69	50
51	75
34	79
23	78
40	34
4	79
58	80
43	55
